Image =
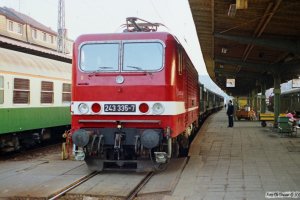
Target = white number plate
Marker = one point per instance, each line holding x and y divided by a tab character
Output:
119	108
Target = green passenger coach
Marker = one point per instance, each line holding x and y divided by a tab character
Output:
35	95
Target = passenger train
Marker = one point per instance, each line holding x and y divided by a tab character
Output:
35	94
289	101
136	99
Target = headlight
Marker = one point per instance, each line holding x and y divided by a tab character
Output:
83	108
158	108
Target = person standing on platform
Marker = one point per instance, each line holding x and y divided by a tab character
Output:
230	111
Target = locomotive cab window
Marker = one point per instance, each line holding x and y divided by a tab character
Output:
99	57
46	92
21	91
142	56
1	90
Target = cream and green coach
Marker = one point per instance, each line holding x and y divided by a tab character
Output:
35	95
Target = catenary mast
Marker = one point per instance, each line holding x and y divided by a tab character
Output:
61	30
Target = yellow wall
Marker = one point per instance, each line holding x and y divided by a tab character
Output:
2	23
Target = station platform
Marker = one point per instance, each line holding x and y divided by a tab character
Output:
243	162
240	163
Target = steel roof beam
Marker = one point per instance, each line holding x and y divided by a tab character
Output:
288	45
260	67
234	74
242	84
287	75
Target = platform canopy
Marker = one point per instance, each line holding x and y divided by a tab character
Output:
248	41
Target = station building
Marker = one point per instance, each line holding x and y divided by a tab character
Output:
21	27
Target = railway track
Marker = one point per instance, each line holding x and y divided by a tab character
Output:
136	190
73	185
123	185
63	194
102	185
73	180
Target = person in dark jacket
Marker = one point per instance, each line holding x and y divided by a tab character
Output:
230	111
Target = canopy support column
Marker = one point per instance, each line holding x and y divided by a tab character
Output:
263	98
277	92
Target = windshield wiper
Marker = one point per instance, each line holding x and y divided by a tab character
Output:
135	67
103	67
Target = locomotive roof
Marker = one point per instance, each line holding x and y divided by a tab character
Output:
127	36
22	63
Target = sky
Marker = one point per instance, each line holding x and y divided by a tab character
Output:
106	16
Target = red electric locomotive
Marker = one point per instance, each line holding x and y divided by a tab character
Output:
135	99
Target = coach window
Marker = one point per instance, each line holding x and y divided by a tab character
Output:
21	91
100	57
1	90
143	56
47	92
66	93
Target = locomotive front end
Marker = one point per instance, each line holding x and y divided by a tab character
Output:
121	108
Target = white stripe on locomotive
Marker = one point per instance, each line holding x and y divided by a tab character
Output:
170	107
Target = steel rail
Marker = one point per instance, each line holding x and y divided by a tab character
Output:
74	185
136	190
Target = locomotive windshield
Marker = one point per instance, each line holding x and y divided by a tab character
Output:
142	56
99	57
137	56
